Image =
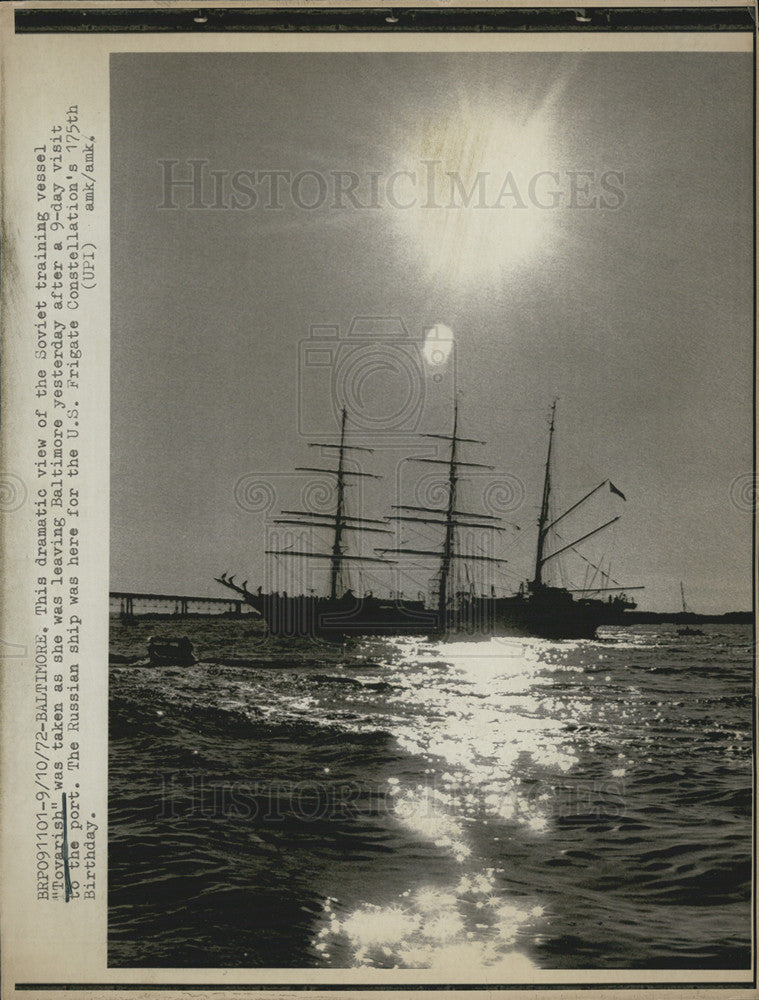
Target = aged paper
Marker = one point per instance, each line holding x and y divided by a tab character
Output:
202	232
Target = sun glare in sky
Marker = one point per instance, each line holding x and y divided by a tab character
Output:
483	185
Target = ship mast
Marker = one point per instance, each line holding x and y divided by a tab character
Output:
447	517
340	522
544	526
445	562
544	506
336	565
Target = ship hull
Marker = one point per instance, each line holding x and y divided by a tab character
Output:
525	618
549	616
322	618
552	613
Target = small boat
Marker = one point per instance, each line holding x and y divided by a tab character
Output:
686	614
168	652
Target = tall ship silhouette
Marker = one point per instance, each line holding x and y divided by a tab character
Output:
450	609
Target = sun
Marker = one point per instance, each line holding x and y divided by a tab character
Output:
482	208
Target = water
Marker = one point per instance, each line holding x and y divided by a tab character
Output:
512	804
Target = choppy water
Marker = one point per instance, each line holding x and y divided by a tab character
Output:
512	804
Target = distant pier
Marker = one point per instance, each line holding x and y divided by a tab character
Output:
183	605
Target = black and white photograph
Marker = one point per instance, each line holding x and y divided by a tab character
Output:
431	506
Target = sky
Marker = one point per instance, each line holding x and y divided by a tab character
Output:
619	283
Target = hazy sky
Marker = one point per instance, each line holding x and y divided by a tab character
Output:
637	315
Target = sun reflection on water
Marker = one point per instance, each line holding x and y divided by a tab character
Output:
492	722
485	718
495	738
443	929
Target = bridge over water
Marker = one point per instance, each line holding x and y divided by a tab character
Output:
181	605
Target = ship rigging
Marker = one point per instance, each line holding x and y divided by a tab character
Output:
448	518
538	609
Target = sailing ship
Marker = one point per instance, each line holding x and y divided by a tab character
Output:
552	612
687	615
538	609
342	612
